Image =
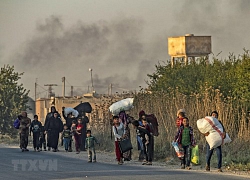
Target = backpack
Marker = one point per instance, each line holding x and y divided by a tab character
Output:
153	123
16	124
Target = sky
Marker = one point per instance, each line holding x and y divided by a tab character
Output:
120	40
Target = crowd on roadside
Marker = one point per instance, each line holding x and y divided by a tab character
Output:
47	137
147	128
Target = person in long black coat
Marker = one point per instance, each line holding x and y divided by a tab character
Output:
85	120
48	116
53	127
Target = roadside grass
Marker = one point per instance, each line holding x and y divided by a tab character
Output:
5	139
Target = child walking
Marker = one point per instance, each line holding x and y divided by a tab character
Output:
76	129
149	148
35	128
185	139
90	146
145	137
119	133
66	136
42	139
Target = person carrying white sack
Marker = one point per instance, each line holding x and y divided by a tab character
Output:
209	152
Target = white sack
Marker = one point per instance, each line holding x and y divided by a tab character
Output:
68	110
214	139
204	126
122	105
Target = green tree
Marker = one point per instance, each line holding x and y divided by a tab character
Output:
13	99
231	76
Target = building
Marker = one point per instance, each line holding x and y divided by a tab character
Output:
188	47
99	103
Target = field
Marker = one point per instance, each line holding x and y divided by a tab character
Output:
232	113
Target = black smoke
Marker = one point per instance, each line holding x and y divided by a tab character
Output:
114	50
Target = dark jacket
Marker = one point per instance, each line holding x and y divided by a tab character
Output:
90	142
49	115
68	120
66	133
35	126
141	132
54	124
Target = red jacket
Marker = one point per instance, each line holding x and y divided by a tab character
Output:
179	121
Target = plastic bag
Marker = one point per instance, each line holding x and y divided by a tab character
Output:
179	152
16	124
195	155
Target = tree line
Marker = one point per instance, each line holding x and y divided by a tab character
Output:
13	99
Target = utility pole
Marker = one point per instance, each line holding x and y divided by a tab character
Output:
92	85
110	89
35	93
72	91
63	90
50	94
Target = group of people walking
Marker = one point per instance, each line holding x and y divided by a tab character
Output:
144	133
186	141
75	127
144	128
145	138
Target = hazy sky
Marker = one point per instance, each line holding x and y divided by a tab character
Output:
121	40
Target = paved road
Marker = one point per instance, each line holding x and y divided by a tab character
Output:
15	164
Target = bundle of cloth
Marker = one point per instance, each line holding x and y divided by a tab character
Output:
122	105
68	110
212	126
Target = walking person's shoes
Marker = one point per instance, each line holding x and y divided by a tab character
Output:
89	161
48	148
23	149
149	163
188	168
38	150
144	162
220	170
45	149
54	150
26	149
126	159
70	150
207	168
35	149
119	163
